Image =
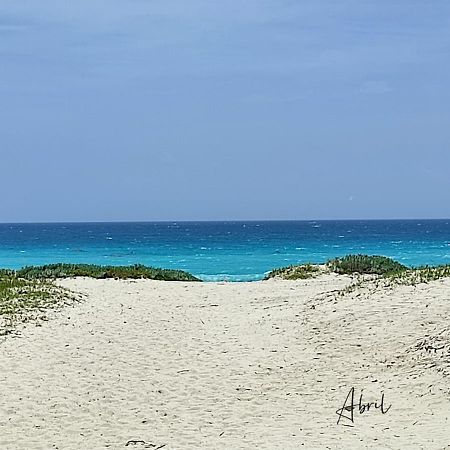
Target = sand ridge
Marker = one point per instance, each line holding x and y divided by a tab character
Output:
173	365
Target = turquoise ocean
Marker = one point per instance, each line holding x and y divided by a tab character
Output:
234	251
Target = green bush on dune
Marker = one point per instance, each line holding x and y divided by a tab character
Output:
53	271
391	271
362	264
365	264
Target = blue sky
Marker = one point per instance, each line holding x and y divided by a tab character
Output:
198	110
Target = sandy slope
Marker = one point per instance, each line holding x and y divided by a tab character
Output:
230	366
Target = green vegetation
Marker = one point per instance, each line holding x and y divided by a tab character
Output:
391	271
365	264
6	272
301	272
350	264
24	300
386	270
54	271
420	275
27	293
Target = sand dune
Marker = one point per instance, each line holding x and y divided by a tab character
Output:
147	364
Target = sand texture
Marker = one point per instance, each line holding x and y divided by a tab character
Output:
173	365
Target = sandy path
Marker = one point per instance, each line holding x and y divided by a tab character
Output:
226	366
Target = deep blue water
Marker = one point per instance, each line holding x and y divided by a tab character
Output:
233	251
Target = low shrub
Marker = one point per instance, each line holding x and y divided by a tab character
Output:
365	264
54	271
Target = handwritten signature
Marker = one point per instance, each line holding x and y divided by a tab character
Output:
347	412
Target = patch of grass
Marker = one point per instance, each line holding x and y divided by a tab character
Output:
293	272
54	271
423	274
24	300
365	264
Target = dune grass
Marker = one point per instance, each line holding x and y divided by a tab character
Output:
390	270
301	272
54	271
418	275
24	300
386	269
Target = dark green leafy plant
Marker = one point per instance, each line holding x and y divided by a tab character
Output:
365	264
54	271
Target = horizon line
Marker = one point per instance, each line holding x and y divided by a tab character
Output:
64	222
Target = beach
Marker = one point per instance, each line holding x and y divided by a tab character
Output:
268	365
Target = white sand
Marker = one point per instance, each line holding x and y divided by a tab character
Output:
230	366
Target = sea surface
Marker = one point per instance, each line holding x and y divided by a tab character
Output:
233	251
